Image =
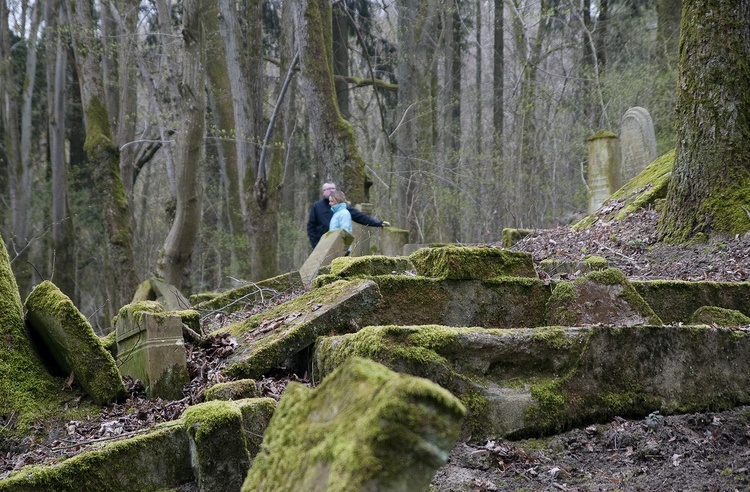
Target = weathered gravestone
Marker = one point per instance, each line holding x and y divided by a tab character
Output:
364	236
155	289
332	245
637	142
363	428
73	343
604	168
150	348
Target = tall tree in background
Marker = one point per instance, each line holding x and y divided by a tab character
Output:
63	234
104	157
15	112
498	112
178	247
708	191
334	138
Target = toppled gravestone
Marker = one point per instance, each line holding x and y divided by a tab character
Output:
600	297
27	391
245	296
73	343
533	382
150	347
363	428
275	337
462	263
156	289
211	445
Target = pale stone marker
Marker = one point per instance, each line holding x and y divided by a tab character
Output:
604	168
392	241
364	236
637	142
332	245
150	348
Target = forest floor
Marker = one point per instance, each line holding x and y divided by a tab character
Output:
695	452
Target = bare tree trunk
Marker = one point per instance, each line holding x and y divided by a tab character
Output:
452	119
708	190
498	114
104	156
668	13
63	237
223	114
16	103
334	138
178	247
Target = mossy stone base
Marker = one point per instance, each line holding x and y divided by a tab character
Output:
73	343
232	390
347	266
512	236
217	445
712	315
460	263
363	428
675	301
601	297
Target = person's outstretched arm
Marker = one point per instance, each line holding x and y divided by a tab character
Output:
364	219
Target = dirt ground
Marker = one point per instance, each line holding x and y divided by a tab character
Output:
697	452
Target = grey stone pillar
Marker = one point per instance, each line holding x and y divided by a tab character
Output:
604	168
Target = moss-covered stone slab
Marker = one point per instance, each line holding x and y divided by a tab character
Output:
348	267
490	371
363	428
500	303
675	301
712	315
275	337
532	382
156	289
73	343
461	263
27	391
150	347
211	444
640	192
601	297
246	296
232	390
159	460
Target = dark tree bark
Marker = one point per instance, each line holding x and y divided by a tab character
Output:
104	157
709	191
334	137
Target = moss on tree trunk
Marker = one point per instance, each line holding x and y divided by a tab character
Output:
710	186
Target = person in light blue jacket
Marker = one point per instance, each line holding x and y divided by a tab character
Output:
341	219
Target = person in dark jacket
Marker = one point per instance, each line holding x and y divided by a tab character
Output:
321	213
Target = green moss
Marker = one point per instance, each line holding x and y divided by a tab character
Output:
461	263
602	134
552	336
477	407
649	186
596	262
232	390
719	316
512	236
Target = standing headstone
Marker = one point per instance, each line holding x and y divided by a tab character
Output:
363	235
637	142
150	348
332	245
604	168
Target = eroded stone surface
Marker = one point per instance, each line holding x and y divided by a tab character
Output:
363	428
332	245
601	297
